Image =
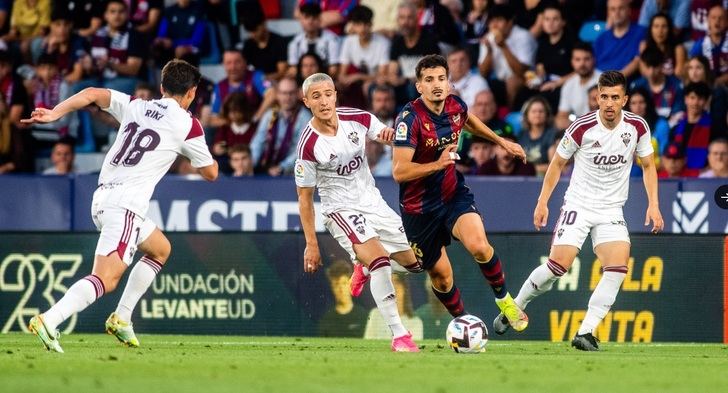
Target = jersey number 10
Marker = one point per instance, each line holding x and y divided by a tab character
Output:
140	143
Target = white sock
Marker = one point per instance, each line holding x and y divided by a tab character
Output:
81	294
141	277
540	281
383	292
603	297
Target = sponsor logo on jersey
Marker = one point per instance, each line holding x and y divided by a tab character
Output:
626	138
350	167
429	142
596	145
401	134
609	160
354	138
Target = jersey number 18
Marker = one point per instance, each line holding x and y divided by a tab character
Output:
140	143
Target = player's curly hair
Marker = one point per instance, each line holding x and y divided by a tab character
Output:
179	76
431	61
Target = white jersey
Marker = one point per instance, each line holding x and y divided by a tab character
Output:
337	165
151	135
603	158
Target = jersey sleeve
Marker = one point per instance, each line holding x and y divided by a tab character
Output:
195	148
567	147
405	132
305	173
644	140
118	105
375	127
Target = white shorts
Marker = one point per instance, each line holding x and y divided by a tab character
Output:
350	227
121	230
575	223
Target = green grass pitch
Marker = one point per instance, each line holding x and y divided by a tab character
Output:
285	364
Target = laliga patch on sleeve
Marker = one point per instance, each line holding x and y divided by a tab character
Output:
401	134
565	141
298	169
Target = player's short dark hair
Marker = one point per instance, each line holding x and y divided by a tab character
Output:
611	79
361	14
310	9
179	76
431	61
701	89
652	57
582	46
504	11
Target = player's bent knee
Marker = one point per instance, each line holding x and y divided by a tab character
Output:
483	252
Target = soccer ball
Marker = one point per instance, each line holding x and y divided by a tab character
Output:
467	334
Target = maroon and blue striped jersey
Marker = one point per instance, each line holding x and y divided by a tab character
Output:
429	134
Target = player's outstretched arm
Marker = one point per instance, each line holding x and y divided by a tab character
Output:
477	127
404	170
553	173
311	255
649	176
209	172
87	96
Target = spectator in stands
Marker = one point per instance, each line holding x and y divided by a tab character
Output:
264	49
455	7
47	89
182	31
618	47
309	64
537	134
504	164
480	152
238	78
85	15
529	15
693	131
507	52
62	157
640	103
384	21
334	13
484	108
274	143
660	36
569	168
717	159
383	104
201	106
408	46
714	45
476	25
240	160
436	19
466	83
145	16
699	18
698	70
673	10
7	148
15	103
67	47
364	57
379	155
553	67
665	90
5	8
593	97
574	99
29	19
238	129
117	53
144	91
13	90
673	163
313	39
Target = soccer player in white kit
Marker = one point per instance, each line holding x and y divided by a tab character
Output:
603	144
331	158
151	136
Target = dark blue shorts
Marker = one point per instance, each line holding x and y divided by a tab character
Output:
427	233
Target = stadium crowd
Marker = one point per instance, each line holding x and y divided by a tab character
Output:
526	68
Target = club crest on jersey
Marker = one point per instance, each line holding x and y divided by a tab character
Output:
354	138
360	229
560	232
427	126
626	138
456	119
401	134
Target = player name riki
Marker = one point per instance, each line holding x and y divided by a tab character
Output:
153	114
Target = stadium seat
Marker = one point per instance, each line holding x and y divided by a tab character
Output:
214	56
590	30
514	119
86	141
284	27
